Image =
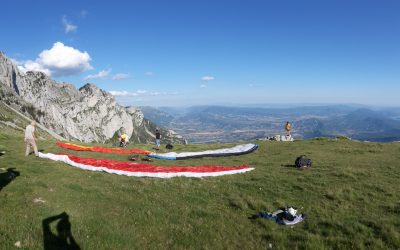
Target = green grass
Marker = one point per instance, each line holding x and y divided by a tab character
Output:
351	198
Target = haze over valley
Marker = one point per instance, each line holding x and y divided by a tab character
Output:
210	124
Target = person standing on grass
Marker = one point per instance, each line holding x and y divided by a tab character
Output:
158	137
288	128
30	139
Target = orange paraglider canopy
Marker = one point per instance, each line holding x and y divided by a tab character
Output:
102	150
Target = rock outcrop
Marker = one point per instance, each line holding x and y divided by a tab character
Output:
88	114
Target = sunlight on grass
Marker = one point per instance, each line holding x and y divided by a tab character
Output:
350	198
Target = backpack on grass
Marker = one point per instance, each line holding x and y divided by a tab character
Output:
303	162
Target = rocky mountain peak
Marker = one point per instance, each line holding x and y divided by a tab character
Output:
37	75
89	87
88	114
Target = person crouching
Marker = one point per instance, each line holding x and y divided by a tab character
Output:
123	140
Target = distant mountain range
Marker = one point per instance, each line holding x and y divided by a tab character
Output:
202	124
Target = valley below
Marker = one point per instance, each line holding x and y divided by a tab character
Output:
217	124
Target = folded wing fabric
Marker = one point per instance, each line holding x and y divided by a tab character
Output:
237	150
144	170
279	217
101	149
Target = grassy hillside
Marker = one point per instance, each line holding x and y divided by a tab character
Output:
351	198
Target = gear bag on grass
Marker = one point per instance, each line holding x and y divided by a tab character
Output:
302	162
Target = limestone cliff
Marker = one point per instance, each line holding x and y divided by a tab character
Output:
88	114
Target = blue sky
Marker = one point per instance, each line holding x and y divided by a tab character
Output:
172	53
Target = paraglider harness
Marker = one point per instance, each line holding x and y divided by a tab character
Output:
284	216
303	162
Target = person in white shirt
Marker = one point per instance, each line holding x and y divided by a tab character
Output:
30	139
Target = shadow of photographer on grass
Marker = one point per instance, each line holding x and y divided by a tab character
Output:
7	177
63	239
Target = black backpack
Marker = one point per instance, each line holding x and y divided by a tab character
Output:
302	162
169	146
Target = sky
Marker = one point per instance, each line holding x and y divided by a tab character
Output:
201	52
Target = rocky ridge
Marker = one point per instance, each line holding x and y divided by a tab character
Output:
87	114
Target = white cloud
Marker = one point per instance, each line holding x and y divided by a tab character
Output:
68	26
16	62
149	73
207	78
120	76
101	75
140	93
123	93
33	66
60	60
161	93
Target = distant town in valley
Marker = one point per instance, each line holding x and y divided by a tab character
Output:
211	124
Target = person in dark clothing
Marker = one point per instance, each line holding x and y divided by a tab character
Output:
158	138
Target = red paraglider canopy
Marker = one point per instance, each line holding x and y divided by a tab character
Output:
141	169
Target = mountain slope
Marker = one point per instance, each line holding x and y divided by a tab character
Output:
88	114
365	124
157	116
13	122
